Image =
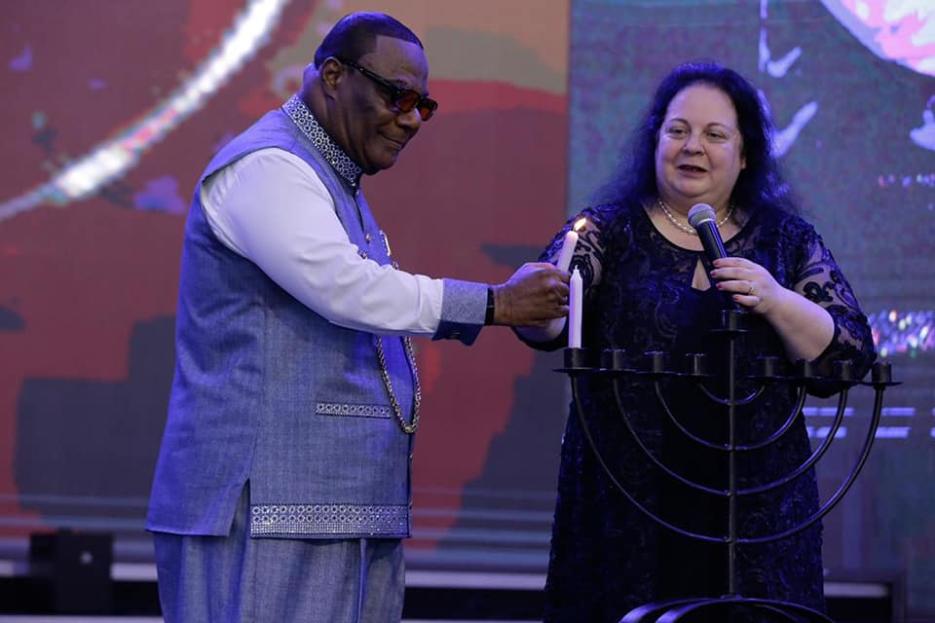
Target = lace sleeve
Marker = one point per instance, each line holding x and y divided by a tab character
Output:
588	258
820	280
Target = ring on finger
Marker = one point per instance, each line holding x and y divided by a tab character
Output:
752	289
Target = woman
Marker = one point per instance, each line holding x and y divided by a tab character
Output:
705	139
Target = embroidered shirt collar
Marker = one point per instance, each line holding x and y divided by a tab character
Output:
305	120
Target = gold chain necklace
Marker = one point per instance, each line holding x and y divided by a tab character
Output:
411	428
687	228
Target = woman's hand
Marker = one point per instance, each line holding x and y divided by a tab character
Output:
750	285
805	328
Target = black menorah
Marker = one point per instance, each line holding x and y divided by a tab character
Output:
612	364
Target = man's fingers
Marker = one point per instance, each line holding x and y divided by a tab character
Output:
543	321
533	296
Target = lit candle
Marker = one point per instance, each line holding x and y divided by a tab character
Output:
568	250
565	255
554	329
575	293
569	244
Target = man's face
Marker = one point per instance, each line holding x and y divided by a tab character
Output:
375	131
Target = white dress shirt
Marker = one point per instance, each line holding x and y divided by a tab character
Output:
271	208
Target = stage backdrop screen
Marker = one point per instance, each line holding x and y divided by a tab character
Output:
112	108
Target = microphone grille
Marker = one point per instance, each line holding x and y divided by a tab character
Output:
700	213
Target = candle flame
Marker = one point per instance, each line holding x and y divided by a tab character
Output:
580	223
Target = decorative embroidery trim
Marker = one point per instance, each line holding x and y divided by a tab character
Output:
340	408
315	519
305	120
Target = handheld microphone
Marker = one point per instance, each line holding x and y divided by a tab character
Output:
702	218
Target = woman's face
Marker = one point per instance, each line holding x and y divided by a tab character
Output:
699	150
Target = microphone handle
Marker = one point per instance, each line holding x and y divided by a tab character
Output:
711	240
714	249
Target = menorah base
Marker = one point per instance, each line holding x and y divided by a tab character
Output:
686	609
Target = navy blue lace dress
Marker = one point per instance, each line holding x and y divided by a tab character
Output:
607	557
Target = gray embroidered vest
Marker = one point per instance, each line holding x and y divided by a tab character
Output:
268	391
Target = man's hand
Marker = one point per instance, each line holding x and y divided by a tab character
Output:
534	295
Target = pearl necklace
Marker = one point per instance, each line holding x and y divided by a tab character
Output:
687	228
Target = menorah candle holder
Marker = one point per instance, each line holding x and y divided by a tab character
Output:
580	362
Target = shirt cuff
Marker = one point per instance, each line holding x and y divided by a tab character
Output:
464	304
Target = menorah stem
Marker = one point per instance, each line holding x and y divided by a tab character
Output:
732	465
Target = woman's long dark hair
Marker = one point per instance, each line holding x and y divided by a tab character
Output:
759	186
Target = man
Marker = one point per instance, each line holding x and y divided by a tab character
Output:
283	483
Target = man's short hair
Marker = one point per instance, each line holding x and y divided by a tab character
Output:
355	35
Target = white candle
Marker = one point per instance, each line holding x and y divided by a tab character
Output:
575	294
568	250
562	263
565	255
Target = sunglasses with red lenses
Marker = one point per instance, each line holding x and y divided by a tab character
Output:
403	100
